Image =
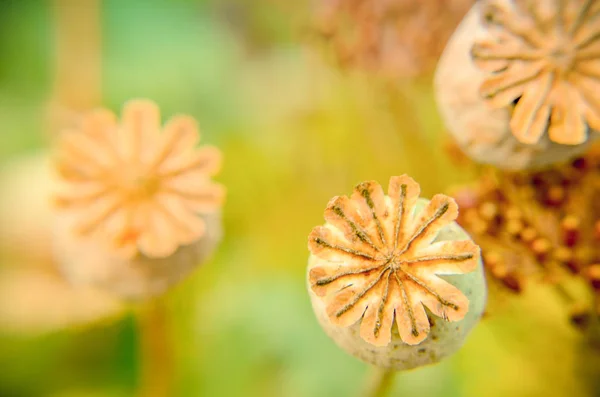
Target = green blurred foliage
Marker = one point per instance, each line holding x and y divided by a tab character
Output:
294	133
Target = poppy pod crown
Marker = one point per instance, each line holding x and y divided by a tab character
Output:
377	274
517	85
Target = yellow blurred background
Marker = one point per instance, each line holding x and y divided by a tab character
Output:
295	131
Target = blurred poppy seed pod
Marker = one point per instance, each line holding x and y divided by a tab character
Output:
25	182
518	82
137	209
86	261
391	38
393	279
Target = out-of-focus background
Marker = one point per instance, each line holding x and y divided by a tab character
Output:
295	130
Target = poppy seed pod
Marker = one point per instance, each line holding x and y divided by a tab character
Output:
517	84
392	38
393	279
137	209
85	261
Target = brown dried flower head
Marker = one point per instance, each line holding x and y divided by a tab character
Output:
379	262
545	56
136	186
394	38
541	226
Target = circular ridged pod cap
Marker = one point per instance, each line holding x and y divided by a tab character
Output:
136	206
85	261
508	96
393	280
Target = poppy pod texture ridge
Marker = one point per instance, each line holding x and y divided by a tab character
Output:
136	207
518	83
393	279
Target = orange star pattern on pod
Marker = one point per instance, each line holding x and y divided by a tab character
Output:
135	185
545	57
381	262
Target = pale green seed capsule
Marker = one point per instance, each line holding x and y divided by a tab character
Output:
393	280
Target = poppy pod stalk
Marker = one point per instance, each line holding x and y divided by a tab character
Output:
136	207
392	278
518	82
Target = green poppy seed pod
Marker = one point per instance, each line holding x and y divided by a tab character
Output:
511	88
393	280
136	207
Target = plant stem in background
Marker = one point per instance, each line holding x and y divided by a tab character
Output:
77	64
155	350
380	382
594	329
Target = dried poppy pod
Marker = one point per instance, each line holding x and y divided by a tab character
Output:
393	279
137	207
518	83
536	226
391	38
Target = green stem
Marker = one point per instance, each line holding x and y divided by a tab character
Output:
380	383
155	351
77	64
594	329
564	294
